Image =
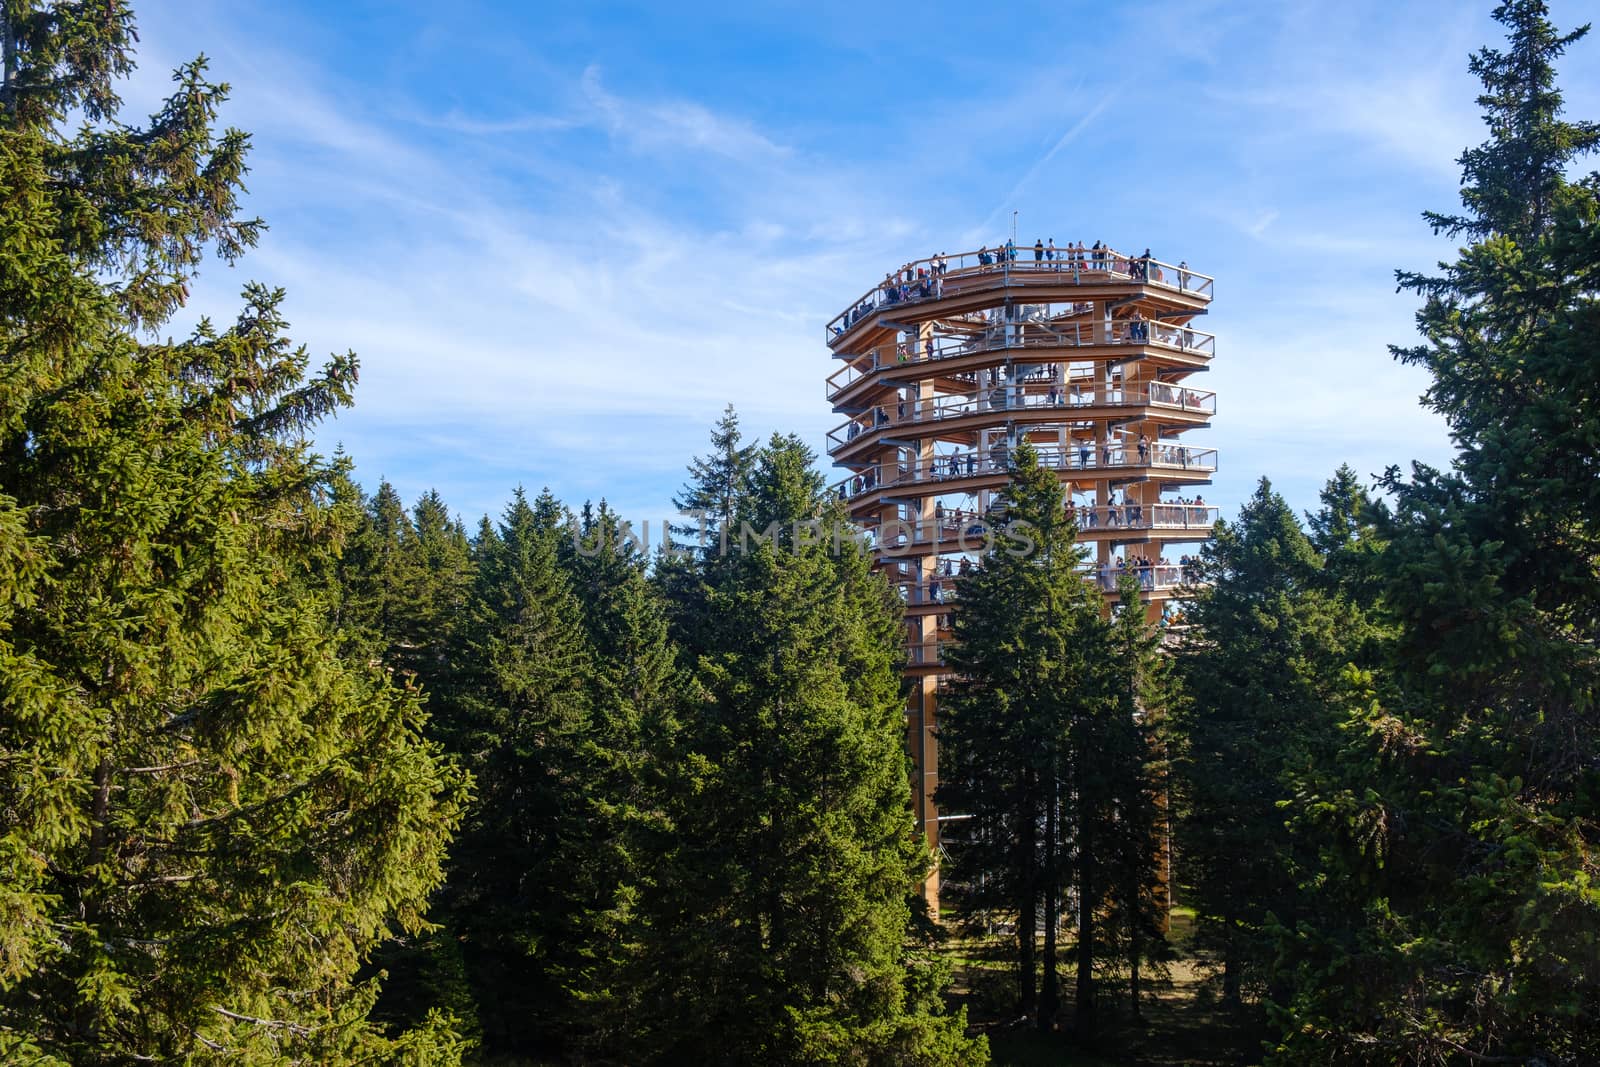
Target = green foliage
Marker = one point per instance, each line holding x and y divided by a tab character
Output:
1261	668
788	902
718	487
1135	747
1042	748
526	880
696	555
380	574
691	839
1457	913
208	817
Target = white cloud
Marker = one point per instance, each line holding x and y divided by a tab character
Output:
1068	137
1340	80
676	125
528	315
457	121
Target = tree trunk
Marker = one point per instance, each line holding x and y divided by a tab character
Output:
1230	967
1050	994
1085	1023
1135	951
1027	903
1134	910
8	46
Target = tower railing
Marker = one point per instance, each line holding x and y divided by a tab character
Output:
1169	578
1135	516
1149	333
936	277
1154	577
1160	455
936	591
1013	397
956	531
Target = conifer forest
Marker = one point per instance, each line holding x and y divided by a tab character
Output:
296	771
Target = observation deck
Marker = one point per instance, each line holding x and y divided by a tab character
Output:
980	280
950	363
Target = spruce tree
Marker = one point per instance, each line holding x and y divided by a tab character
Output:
559	686
1018	737
380	577
637	691
1457	914
718	482
1344	534
778	921
208	817
442	559
430	554
517	708
696	553
1260	667
1133	746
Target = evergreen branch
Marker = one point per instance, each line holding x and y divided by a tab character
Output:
298	1029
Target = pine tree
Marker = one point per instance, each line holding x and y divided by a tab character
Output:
1457	915
638	693
517	708
786	893
717	490
1344	533
425	597
442	557
1260	670
380	579
1018	737
208	817
1133	747
718	485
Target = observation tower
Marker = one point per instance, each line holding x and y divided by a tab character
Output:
952	361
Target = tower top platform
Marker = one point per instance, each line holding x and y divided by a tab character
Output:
943	285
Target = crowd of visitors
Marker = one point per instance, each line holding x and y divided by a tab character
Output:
1131	513
926	282
1150	573
972	463
1016	396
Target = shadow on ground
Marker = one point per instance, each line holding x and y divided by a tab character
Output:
1181	1024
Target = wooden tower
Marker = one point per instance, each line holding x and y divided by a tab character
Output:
953	360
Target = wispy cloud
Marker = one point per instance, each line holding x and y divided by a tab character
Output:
530	338
1072	132
678	125
564	279
456	121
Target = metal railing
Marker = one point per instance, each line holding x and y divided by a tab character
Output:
926	653
1151	578
936	277
1086	455
958	531
955	532
1183	398
1020	396
1015	336
1136	516
936	591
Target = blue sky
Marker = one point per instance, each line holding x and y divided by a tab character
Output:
562	236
